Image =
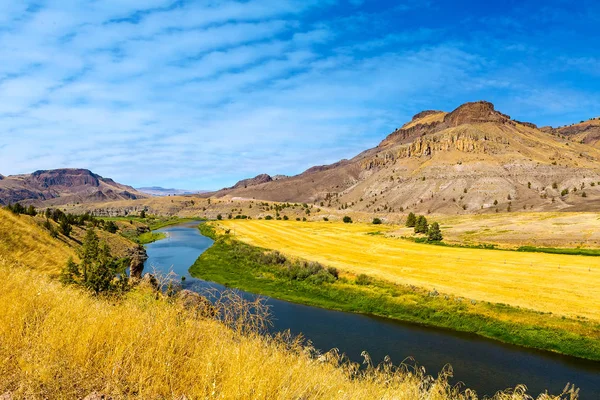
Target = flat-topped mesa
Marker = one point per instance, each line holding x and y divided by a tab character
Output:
475	113
66	177
257	180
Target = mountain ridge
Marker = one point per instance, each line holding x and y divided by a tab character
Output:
472	159
62	186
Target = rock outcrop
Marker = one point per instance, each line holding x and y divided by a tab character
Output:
137	257
194	301
475	113
257	180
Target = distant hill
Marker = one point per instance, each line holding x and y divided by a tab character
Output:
62	186
587	132
470	160
159	191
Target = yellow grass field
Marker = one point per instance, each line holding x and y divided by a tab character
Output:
561	284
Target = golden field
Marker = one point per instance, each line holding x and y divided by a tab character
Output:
59	342
561	284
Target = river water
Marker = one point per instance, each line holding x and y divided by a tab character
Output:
481	364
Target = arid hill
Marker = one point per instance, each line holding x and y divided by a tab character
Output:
587	132
474	159
62	186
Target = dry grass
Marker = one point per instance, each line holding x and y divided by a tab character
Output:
563	285
548	229
56	342
23	241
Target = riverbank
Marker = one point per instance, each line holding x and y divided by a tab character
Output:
236	264
128	227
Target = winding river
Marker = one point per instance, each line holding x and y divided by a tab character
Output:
481	364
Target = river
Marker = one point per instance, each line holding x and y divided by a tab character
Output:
481	364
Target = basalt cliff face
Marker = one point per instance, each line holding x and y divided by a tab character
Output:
473	159
62	186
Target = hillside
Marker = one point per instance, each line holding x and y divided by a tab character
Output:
24	242
587	132
62	186
472	160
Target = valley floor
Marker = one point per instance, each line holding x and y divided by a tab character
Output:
564	285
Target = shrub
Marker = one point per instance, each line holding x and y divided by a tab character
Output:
564	192
111	227
268	217
325	219
219	217
376	221
363	280
285	218
347	220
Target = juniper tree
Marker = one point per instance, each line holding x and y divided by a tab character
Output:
435	233
411	220
421	225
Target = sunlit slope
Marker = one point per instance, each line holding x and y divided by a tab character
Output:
24	242
564	285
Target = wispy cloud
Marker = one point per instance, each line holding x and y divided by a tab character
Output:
199	94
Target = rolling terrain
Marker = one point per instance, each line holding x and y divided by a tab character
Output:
62	186
472	160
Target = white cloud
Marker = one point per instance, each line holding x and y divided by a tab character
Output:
202	94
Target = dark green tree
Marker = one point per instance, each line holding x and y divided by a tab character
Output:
347	220
111	227
421	225
143	214
411	220
219	217
65	227
376	221
435	233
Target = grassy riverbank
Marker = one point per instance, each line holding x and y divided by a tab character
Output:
236	264
128	227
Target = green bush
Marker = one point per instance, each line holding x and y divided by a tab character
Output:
347	220
376	221
363	280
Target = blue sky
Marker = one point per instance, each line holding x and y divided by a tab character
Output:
199	94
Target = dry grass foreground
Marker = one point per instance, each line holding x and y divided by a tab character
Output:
561	284
57	342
